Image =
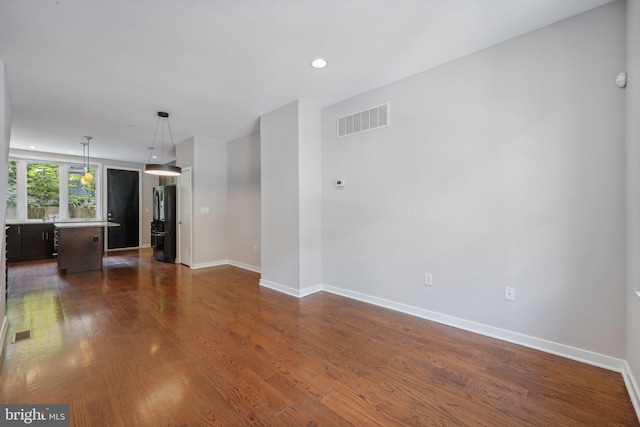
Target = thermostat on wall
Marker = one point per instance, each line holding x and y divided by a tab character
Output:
338	182
621	79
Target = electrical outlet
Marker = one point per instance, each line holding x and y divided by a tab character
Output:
255	248
509	293
428	279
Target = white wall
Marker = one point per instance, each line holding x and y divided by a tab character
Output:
310	195
184	153
208	160
243	194
291	199
210	235
633	192
279	197
503	168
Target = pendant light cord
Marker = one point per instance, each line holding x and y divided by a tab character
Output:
155	135
171	134
153	145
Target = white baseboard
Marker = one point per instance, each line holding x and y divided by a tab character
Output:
310	290
280	288
244	266
632	387
225	262
298	293
210	264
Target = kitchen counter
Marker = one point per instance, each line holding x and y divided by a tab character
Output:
63	223
85	224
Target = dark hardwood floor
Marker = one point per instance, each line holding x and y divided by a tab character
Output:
144	343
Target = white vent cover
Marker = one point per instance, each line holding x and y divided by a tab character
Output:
363	121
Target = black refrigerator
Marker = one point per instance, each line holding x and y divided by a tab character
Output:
163	226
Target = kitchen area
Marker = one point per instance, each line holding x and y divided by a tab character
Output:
78	245
53	215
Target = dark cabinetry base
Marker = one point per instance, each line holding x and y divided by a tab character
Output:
28	242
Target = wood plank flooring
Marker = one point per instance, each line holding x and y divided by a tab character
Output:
144	343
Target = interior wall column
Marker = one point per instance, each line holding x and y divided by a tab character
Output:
290	153
632	92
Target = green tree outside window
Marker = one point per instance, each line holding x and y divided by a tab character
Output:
43	190
82	197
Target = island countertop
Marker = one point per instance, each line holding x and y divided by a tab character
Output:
85	224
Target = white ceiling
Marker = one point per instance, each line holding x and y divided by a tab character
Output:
105	67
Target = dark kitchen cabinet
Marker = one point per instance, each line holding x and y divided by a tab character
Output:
13	243
27	242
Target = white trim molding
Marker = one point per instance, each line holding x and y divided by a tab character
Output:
298	293
209	264
632	387
245	266
280	288
310	290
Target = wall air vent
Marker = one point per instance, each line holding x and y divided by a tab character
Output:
363	121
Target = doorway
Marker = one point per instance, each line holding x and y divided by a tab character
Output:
184	217
123	207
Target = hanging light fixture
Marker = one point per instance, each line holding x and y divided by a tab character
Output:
161	168
87	177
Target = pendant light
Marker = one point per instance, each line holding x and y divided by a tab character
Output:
87	177
161	168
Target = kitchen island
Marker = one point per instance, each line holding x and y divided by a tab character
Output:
80	245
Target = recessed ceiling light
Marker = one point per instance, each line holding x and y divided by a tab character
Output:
319	63
32	147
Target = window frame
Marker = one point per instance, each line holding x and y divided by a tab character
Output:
63	170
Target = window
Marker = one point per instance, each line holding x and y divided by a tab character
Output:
43	190
50	190
82	197
12	192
